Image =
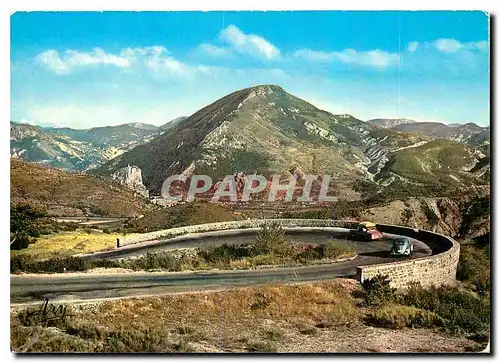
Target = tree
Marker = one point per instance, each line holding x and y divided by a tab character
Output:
24	223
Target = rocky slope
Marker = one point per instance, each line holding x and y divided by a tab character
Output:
131	177
72	149
388	123
469	133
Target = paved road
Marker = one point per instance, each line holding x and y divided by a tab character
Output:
82	287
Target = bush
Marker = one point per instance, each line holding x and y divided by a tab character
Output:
224	253
138	341
474	267
29	264
334	249
271	239
377	291
462	311
25	222
398	316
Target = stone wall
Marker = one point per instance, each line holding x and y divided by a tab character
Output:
438	269
251	223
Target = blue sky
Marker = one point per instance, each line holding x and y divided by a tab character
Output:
87	69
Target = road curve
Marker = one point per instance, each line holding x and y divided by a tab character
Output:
25	289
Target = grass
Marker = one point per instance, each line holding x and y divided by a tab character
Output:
400	316
63	244
256	319
179	322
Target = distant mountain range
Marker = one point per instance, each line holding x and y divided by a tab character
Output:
78	150
469	133
264	129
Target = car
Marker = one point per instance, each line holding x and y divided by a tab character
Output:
402	246
366	231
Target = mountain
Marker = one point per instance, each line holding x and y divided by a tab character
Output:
469	133
78	150
387	123
264	129
72	194
172	123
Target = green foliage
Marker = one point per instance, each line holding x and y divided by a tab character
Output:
27	263
474	210
377	291
462	311
399	316
474	267
25	222
272	239
225	253
335	249
429	213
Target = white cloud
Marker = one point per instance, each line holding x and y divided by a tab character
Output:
248	43
412	46
452	45
447	45
213	50
372	58
154	58
71	59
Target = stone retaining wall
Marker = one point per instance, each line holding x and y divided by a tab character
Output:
251	223
438	269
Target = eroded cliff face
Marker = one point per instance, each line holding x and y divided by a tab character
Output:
131	177
442	215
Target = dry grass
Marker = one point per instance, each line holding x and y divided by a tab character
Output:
70	243
55	189
317	317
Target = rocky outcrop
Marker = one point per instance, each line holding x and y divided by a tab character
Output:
131	177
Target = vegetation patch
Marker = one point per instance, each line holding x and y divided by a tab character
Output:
400	316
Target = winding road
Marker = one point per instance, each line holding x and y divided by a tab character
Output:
76	287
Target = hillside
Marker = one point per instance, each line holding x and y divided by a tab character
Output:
263	129
68	194
72	149
388	123
442	163
469	133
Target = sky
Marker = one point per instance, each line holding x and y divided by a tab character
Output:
88	69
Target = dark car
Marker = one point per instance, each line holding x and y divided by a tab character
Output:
402	246
366	231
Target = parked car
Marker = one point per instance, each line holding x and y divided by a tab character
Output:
366	231
402	246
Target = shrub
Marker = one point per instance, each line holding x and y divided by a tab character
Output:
377	291
25	222
224	253
334	249
398	316
474	267
28	264
271	239
462	311
138	341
